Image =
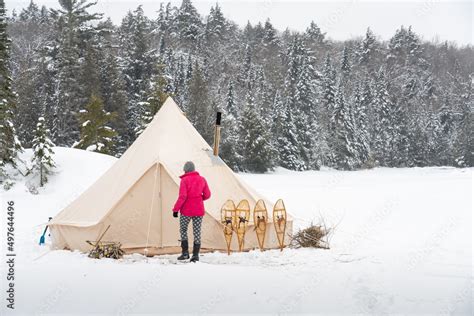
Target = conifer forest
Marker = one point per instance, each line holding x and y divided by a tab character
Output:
299	100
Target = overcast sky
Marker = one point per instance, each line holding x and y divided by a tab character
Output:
432	19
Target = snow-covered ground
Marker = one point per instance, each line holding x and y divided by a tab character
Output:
402	244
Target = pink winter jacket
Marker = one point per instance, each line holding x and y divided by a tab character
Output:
193	191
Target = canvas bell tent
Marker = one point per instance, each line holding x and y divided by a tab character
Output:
136	195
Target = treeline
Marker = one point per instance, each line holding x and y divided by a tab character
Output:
292	99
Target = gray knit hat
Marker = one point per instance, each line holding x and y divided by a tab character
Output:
189	167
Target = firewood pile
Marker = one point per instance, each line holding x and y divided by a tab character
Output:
314	236
105	249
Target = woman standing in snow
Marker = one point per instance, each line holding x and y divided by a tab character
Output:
193	191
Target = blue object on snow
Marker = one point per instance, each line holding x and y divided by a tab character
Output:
44	233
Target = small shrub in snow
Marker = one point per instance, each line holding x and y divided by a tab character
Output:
31	188
8	184
43	152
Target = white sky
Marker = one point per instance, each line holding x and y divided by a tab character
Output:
432	19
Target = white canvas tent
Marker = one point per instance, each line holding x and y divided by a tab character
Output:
136	195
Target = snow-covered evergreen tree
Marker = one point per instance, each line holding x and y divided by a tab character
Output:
269	53
369	51
299	95
345	64
464	144
255	140
231	105
114	94
90	72
164	24
286	141
338	115
328	88
216	28
156	99
199	107
188	25
74	26
245	73
361	144
9	144
42	160
31	31
382	133
229	149
447	120
96	134
138	60
314	35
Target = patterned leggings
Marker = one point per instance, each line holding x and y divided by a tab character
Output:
183	227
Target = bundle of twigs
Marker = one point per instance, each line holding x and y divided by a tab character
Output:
106	250
315	236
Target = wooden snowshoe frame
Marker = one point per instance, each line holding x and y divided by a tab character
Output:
260	216
227	219
241	219
279	221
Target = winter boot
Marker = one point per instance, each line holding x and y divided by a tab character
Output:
195	256
184	250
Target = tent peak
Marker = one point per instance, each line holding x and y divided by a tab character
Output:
170	103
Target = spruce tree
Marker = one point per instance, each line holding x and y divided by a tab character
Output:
229	149
216	27
199	107
345	64
42	152
90	73
164	24
313	34
369	52
31	33
114	94
245	72
381	138
286	140
446	117
269	55
299	95
464	144
180	82
347	152
9	143
96	134
255	140
327	95
156	99
189	25
137	63
361	131
261	91
230	105
75	27
337	116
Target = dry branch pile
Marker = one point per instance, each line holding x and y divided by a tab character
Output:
315	236
107	250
